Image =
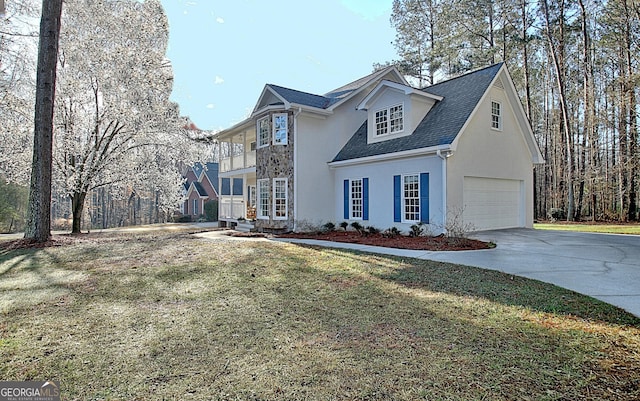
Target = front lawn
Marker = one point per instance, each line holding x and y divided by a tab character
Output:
591	228
171	317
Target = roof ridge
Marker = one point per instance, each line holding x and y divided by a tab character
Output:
295	90
365	78
464	74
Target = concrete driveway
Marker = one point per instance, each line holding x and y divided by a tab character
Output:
604	266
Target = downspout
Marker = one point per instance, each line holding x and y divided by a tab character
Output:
295	167
444	157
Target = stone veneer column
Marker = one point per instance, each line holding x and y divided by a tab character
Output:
276	161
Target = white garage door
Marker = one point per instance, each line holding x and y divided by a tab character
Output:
491	203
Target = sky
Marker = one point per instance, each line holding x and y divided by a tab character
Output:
223	52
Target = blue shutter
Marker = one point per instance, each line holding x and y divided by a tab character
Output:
365	199
346	199
397	199
424	198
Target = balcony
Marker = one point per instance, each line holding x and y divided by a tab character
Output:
238	162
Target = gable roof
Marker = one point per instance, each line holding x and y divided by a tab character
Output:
210	170
275	95
440	126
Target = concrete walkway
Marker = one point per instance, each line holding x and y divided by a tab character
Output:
604	266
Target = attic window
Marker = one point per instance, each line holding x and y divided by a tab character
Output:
496	115
389	120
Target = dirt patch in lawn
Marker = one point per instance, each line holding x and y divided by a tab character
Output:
423	243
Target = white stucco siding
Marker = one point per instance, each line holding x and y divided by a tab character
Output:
318	142
381	197
486	153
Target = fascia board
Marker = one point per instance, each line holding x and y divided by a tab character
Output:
392	156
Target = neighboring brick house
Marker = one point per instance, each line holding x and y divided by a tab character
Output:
384	153
201	186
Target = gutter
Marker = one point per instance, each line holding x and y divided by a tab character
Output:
433	150
295	167
444	157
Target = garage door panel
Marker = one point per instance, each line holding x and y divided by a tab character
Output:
491	203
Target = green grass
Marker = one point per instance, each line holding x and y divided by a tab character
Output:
172	317
633	229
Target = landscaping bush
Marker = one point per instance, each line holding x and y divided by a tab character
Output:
344	225
556	213
328	227
416	230
211	210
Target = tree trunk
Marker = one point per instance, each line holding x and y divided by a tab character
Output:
77	207
38	226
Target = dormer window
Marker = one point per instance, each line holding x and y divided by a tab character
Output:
389	120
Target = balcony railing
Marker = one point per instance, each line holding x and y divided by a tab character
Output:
238	162
232	207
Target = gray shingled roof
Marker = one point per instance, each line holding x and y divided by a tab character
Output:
440	126
319	101
298	97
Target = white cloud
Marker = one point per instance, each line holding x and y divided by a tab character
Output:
211	106
218	80
219	20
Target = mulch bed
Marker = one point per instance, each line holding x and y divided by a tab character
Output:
423	243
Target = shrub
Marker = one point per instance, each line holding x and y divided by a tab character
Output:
211	210
455	226
328	227
344	225
184	219
556	213
416	230
373	230
358	227
391	232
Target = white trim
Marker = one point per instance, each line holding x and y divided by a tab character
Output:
286	199
407	90
295	166
274	141
351	216
374	77
500	114
402	198
392	156
258	122
259	214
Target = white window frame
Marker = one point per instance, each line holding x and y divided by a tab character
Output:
194	212
389	120
496	118
259	138
415	198
263	195
279	201
356	203
275	130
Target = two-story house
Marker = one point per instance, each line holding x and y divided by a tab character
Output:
384	153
